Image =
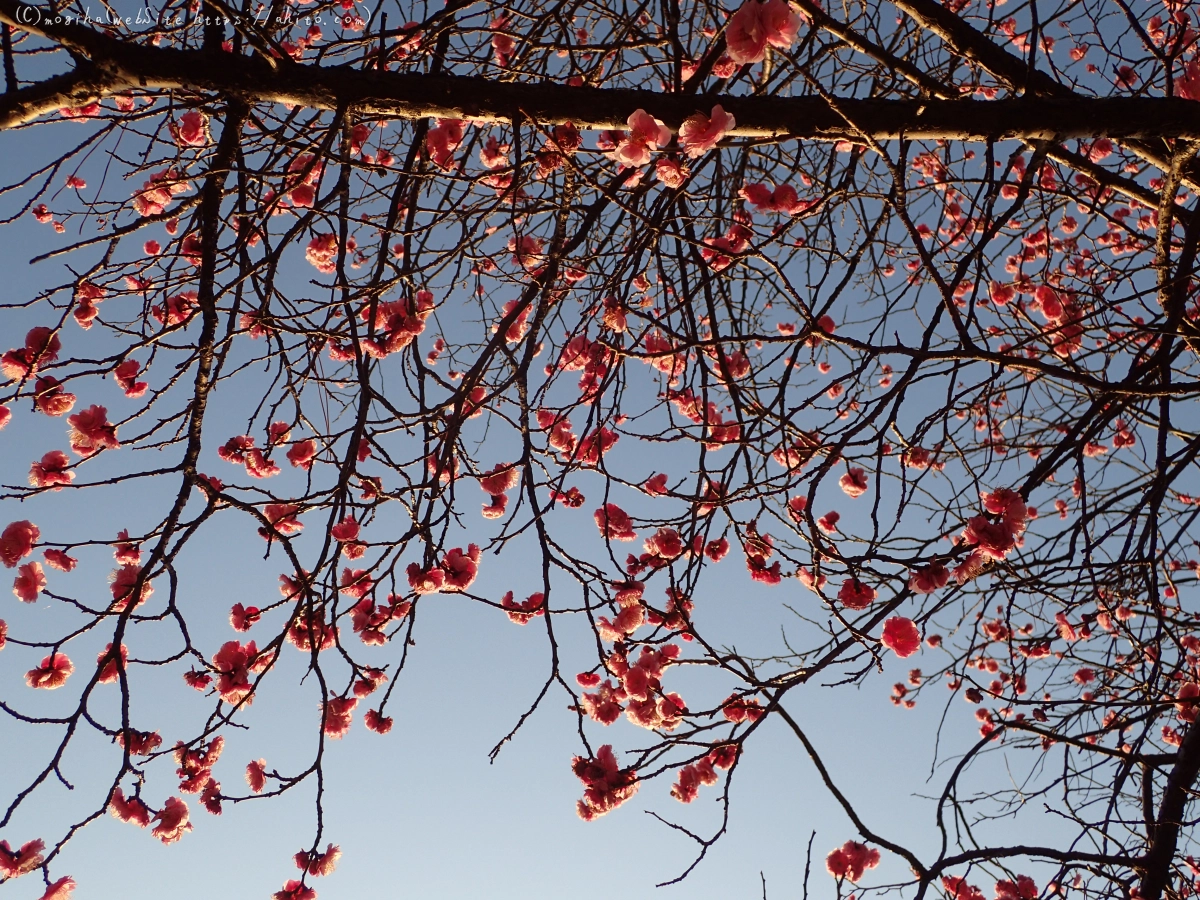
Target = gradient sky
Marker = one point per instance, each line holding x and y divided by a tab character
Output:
420	812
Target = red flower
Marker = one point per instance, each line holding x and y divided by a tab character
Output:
525	611
901	636
855	595
172	821
317	864
294	890
606	785
378	723
755	25
614	523
110	673
336	716
301	454
425	581
30	582
59	890
192	129
17	540
51	399
256	775
700	133
52	673
131	810
41	348
851	860
854	482
91	432
460	568
15	863
929	578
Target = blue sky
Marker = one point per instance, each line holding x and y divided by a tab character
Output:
421	812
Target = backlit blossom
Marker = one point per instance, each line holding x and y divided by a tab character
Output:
756	25
501	479
503	43
336	716
851	860
972	566
524	611
17	540
58	559
854	482
993	539
51	399
928	579
30	582
60	889
294	890
122	583
282	517
828	522
41	348
691	777
232	664
356	583
191	130
52	673
614	523
700	133
317	864
376	722
243	618
742	709
15	863
959	889
110	673
301	454
460	568
125	374
900	635
606	785
140	743
91	431
665	544
855	595
256	775
172	821
646	134
783	198
177	309
1024	889
671	173
425	581
527	251
322	252
156	193
1187	85
131	809
442	140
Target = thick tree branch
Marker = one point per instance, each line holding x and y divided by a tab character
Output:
1016	75
932	87
121	66
1164	837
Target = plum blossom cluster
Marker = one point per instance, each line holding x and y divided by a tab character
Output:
606	784
637	692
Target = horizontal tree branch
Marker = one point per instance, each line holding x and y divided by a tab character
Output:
118	65
1018	74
